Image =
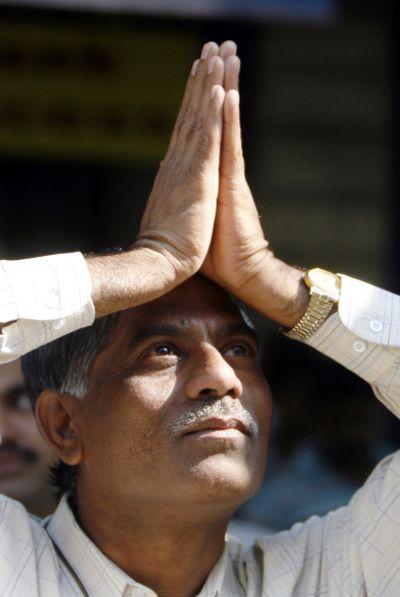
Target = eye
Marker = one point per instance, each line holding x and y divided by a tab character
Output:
163	350
239	350
160	356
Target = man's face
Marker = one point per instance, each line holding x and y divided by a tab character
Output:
24	456
177	408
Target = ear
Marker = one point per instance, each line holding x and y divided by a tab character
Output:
57	417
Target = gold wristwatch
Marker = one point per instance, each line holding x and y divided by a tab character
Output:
324	296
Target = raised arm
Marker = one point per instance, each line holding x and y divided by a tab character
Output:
363	333
44	298
240	258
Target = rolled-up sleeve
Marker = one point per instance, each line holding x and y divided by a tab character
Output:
42	299
364	336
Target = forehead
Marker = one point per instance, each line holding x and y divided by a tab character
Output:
196	302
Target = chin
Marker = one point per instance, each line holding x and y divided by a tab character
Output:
221	478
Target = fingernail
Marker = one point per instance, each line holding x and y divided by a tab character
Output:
237	63
234	93
216	92
194	67
211	64
205	51
228	48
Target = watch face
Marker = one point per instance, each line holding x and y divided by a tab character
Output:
326	282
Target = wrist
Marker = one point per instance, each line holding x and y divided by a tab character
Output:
277	291
288	296
124	280
324	289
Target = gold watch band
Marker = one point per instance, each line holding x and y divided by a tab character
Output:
324	288
317	312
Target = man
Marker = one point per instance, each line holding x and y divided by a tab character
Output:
24	456
162	429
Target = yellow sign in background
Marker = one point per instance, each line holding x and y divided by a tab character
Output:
90	91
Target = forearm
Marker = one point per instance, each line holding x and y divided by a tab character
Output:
125	280
44	298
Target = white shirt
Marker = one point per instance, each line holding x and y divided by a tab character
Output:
42	298
354	551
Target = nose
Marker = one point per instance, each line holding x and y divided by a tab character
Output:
212	376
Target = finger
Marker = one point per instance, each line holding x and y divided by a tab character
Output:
232	163
215	76
232	69
227	48
193	88
200	70
208	152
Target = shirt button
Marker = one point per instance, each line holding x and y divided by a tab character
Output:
359	346
59	323
375	325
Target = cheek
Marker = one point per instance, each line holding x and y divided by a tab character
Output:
259	402
124	425
264	410
258	397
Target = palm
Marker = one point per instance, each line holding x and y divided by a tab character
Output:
238	243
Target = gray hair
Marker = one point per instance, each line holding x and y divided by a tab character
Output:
64	365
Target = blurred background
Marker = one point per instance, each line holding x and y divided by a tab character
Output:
89	90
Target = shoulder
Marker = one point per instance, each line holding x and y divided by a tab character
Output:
17	524
26	553
10	507
341	549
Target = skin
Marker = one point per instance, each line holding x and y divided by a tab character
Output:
173	492
24	456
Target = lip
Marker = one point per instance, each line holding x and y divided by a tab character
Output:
218	426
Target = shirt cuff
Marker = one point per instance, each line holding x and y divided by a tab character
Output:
364	337
46	297
371	314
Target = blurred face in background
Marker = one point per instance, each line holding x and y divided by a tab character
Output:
24	457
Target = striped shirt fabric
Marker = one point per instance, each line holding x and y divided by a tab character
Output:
351	552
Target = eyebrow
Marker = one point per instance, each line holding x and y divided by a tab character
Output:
152	331
239	329
171	330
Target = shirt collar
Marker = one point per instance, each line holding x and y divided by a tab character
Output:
102	578
225	572
99	575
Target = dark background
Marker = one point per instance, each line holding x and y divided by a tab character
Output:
87	101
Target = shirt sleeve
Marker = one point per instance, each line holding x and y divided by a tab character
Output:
42	298
364	336
354	550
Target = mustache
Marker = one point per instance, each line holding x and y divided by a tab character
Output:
27	454
215	407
